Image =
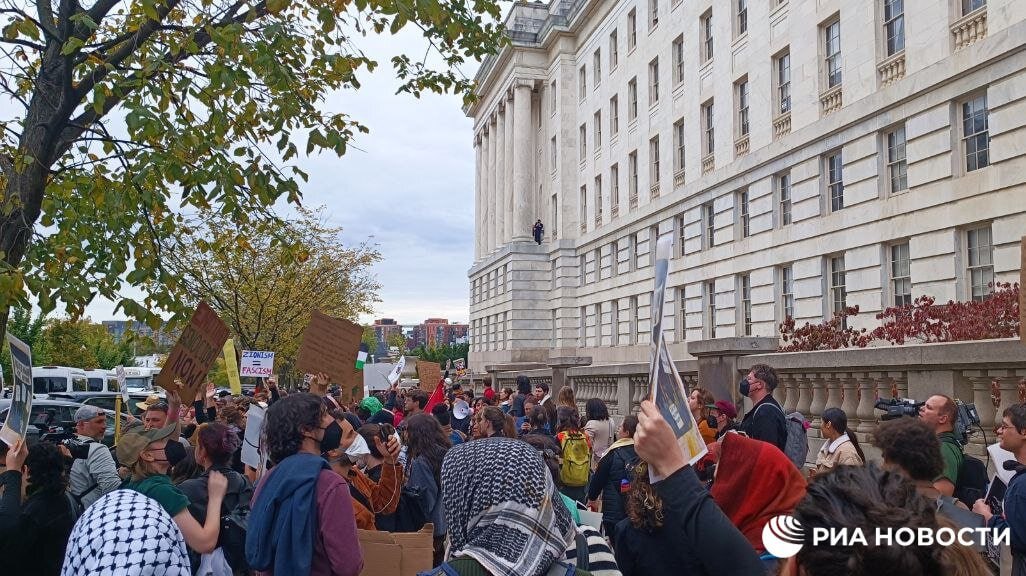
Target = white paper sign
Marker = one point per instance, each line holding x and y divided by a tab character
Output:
257	363
17	422
119	373
251	442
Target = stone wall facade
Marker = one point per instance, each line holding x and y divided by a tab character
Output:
896	168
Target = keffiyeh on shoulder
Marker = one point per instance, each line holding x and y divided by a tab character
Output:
502	507
125	533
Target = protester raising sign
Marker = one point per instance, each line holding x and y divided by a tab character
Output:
21	404
397	372
231	367
257	363
195	352
330	345
667	389
430	373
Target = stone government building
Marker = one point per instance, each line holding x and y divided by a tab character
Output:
804	155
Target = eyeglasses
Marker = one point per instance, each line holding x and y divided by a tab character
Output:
1002	427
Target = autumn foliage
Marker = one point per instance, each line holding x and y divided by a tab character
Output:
922	321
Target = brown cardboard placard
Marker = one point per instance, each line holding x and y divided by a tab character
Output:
429	373
330	345
194	354
396	554
1022	290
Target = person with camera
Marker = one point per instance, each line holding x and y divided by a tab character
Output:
93	472
766	420
36	516
940	413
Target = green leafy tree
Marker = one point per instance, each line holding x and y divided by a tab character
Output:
24	327
123	117
397	340
441	354
370	339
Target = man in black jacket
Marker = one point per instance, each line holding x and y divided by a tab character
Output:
766	420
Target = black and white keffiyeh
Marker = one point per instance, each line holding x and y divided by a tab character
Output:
124	533
502	507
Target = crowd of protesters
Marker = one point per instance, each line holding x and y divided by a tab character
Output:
513	482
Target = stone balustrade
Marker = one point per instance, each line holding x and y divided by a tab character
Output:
653	190
782	125
741	146
678	178
892	69
831	100
970	28
633	201
708	163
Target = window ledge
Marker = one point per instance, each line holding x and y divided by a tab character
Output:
782	7
708	163
892	68
782	125
831	100
741	146
678	178
970	28
739	43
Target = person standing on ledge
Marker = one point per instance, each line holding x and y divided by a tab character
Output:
538	230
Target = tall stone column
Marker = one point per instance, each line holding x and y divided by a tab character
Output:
524	211
488	184
501	171
493	180
478	173
507	180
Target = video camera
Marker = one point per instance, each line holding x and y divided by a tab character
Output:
57	435
966	415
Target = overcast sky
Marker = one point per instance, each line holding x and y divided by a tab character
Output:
408	186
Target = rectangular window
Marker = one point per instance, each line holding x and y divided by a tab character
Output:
614	51
552	154
832	53
583	142
678	145
787	291
746	219
596	66
584	208
681	225
653	13
555	215
614	116
741	92
708	125
633	336
597	129
709	224
901	275
976	133
894	25
678	60
784	193
614	188
972	5
584	323
632	184
838	294
746	304
582	83
598	200
653	81
897	166
710	305
632	29
981	262
682	313
835	181
614	313
653	161
707	36
783	77
742	17
632	99
552	96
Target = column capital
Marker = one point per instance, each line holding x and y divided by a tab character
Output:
523	83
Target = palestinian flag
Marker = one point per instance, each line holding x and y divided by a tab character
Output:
361	357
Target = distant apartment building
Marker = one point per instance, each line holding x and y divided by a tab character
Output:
163	338
432	333
438	332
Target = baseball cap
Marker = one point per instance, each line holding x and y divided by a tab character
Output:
726	408
87	413
133	442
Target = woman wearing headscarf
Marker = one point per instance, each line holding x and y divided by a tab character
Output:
126	533
751	504
503	511
370	497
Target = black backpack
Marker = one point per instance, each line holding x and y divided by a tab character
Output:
232	538
972	480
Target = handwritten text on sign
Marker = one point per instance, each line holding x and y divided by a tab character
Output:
257	363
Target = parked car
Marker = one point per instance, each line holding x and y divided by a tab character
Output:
106	400
49	415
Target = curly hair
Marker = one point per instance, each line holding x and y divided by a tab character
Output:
567	418
867	498
644	505
425	438
705	398
219	442
911	444
595	409
523	385
231	414
287	420
46	468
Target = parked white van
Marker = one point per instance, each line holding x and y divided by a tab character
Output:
49	379
139	379
102	380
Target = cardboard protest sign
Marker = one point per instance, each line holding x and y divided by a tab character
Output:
119	373
396	553
330	345
197	348
1022	290
231	367
17	422
667	389
429	373
251	442
257	363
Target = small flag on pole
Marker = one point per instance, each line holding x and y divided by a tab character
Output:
361	356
